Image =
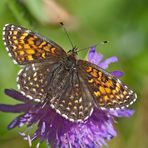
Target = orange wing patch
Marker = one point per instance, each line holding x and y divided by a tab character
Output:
26	47
108	91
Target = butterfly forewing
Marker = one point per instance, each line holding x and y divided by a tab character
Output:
108	92
26	47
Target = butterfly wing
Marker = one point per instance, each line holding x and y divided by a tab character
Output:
107	91
34	79
26	47
73	100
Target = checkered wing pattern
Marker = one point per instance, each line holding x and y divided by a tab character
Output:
25	46
33	80
108	92
63	90
73	100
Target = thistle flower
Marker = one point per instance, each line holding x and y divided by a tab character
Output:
58	131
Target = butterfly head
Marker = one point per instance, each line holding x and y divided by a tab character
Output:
73	51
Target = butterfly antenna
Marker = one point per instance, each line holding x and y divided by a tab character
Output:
100	43
62	24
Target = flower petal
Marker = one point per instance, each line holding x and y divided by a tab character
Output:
108	61
16	95
117	74
91	52
122	113
15	108
14	123
94	57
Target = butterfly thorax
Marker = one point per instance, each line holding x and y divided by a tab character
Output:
69	61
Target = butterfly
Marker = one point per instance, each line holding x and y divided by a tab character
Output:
71	86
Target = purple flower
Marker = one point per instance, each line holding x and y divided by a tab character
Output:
58	131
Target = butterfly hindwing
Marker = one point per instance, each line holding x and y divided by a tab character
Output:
34	79
108	92
74	100
25	46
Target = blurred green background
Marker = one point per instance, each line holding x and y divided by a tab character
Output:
123	23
